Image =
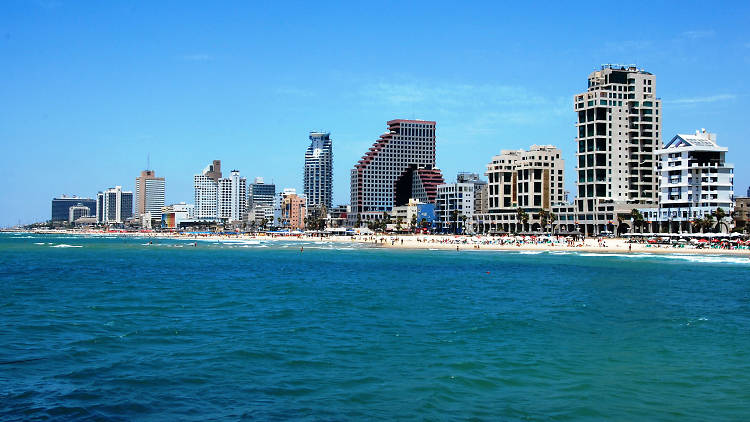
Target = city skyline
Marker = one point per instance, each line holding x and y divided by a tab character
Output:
184	102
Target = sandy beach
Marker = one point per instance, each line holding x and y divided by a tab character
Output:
450	242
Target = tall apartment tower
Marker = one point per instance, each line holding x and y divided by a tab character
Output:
319	170
233	197
618	134
407	143
114	206
206	186
149	194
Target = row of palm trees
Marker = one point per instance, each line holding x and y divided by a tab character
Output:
706	223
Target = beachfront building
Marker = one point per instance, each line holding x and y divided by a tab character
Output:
407	143
293	211
417	182
694	182
232	200
206	188
260	201
77	211
742	213
523	188
172	216
149	194
456	205
61	207
618	133
318	174
114	206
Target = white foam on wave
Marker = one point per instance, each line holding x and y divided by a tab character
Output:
711	259
63	245
530	252
39	243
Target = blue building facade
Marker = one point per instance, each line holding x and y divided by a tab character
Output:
61	207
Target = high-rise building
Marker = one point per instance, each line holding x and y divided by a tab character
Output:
260	201
233	197
114	206
420	183
619	131
149	194
531	180
695	180
407	142
293	211
319	171
206	187
61	206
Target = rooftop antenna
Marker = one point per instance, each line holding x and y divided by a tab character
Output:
148	161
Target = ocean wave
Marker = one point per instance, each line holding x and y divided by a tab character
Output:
710	259
64	245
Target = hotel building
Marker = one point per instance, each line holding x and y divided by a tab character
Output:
114	206
206	187
293	211
531	180
61	206
618	133
318	178
232	201
458	200
694	181
261	200
407	143
149	194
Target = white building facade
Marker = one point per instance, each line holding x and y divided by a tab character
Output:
206	187
114	206
694	181
232	201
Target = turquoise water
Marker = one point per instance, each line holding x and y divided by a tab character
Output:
114	329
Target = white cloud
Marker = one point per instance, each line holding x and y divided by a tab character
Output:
706	99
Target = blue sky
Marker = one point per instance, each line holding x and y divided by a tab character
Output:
88	89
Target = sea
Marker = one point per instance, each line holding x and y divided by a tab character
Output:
126	328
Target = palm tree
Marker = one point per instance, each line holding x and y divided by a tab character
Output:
552	219
543	216
463	223
720	215
637	219
523	217
413	221
399	221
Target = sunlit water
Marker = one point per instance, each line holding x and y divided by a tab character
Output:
116	329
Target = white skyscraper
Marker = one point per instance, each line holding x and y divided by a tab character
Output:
233	197
114	206
149	193
319	170
206	187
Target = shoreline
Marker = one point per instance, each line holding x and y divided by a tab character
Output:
435	242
